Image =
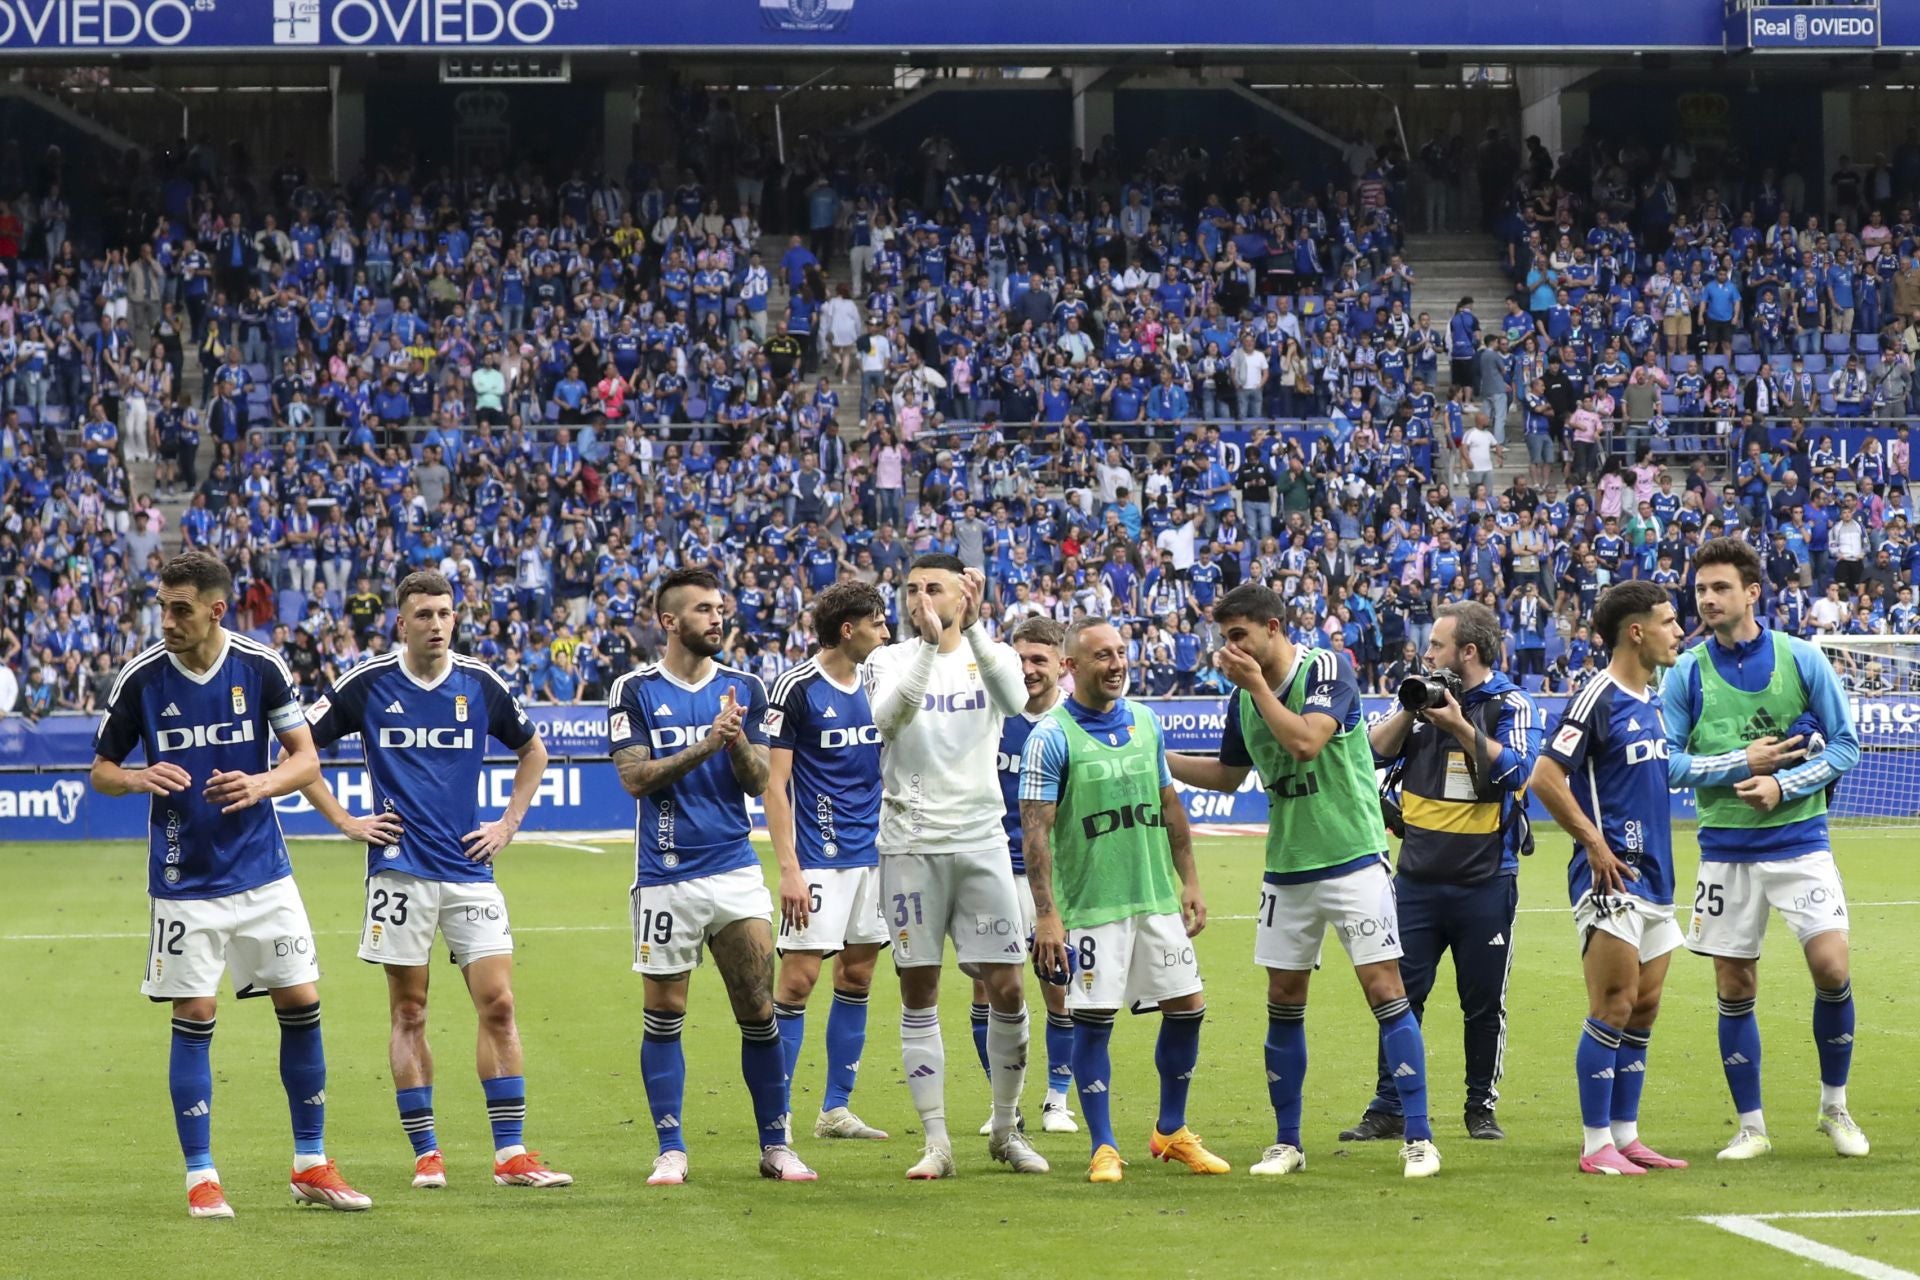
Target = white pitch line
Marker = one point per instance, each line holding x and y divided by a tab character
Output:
1826	1255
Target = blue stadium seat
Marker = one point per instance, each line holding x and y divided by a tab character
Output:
1711	363
1866	342
1533	683
383	306
1835	344
1826	402
1742	344
1669	402
1746	365
1678	364
292	607
1815	363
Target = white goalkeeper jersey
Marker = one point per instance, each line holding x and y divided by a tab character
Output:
939	717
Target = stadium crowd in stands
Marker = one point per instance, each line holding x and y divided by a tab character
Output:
1119	388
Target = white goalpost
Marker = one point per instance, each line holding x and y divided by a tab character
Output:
1881	675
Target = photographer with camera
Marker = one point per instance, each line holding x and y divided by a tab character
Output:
1461	746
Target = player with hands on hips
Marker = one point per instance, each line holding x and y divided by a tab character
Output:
1603	776
424	716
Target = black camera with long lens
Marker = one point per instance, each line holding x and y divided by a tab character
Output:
1429	689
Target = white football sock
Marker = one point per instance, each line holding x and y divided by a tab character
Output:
303	1163
197	1176
1007	1065
1833	1096
1625	1133
1595	1140
925	1058
1753	1120
503	1154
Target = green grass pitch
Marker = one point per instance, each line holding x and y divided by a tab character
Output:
97	1185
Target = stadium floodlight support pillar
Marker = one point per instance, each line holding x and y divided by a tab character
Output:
619	112
1092	104
1836	127
1550	105
349	124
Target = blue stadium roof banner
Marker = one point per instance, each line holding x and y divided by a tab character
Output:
319	27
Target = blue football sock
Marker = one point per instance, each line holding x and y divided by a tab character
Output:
1833	1033
663	1066
1740	1053
506	1110
1059	1053
763	1067
1092	1072
1594	1061
1629	1074
1286	1068
1406	1054
190	1085
303	1071
977	1015
416	1117
846	1042
792	1021
1175	1054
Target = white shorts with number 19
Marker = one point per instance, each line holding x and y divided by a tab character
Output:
672	922
927	898
260	936
404	912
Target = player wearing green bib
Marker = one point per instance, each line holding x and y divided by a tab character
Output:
1759	724
1105	837
1297	719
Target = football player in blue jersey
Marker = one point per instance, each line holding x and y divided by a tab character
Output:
689	739
205	705
823	812
424	714
1038	641
1603	777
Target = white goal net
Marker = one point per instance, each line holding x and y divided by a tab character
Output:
1881	675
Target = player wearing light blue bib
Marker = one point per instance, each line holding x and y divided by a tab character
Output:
205	706
689	739
1603	776
823	813
423	715
1758	724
